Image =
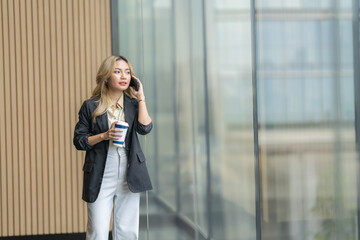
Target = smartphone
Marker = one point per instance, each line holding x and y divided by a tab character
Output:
134	83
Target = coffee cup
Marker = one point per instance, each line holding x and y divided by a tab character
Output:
120	142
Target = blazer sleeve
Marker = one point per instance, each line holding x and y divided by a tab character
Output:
141	128
83	128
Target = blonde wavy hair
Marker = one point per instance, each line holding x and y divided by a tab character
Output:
101	91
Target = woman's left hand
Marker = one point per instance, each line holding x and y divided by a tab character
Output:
140	92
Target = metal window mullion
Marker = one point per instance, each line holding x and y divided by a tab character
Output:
114	22
356	57
194	144
175	108
155	94
207	129
255	121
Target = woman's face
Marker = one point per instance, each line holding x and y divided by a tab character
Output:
120	78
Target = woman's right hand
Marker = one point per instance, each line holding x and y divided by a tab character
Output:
112	133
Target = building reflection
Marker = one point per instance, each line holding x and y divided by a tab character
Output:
195	58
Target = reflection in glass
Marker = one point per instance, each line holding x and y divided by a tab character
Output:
194	58
307	135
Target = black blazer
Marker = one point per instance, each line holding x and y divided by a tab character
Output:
138	178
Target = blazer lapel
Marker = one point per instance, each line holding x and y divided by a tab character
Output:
129	117
102	121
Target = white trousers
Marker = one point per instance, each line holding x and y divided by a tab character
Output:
114	192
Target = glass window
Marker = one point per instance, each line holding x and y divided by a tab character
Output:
195	60
306	135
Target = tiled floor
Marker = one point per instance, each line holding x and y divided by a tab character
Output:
228	220
162	223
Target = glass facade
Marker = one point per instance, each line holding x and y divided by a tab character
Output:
254	105
306	118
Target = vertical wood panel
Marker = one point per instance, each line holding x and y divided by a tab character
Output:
98	31
92	53
62	110
3	206
83	77
20	119
66	108
83	48
13	190
13	121
54	205
19	141
37	119
70	103
42	88
102	29
7	122
24	68
51	52
108	25
88	46
76	73
1	119
30	104
57	92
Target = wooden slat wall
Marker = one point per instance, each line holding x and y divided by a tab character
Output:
50	52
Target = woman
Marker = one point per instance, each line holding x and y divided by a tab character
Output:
113	176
